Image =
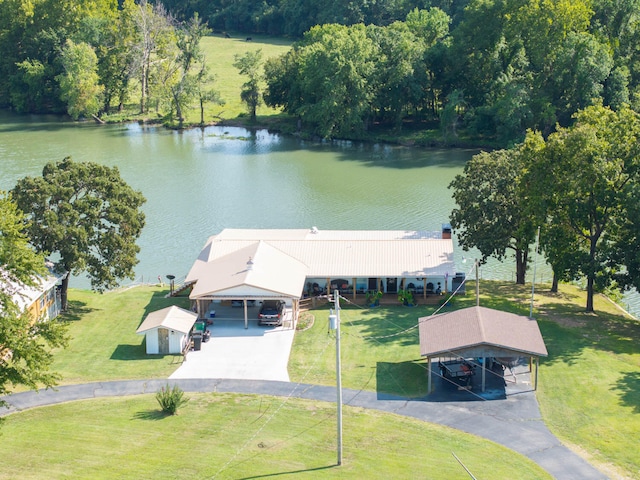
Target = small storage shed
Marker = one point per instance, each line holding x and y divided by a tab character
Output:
167	330
480	332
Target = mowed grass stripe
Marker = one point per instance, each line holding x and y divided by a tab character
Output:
128	438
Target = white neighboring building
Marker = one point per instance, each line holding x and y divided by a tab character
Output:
167	330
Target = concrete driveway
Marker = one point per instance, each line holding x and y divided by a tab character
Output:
255	353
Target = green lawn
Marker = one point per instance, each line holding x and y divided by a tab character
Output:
104	344
590	383
589	386
229	436
380	350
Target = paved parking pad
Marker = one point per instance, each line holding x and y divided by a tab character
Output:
254	353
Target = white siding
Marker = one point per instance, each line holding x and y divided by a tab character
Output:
152	341
176	340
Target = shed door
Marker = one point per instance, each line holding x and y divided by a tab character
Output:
163	340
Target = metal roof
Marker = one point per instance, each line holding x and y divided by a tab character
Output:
342	253
477	328
25	295
173	318
257	265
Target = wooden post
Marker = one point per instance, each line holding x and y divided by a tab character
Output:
484	369
429	375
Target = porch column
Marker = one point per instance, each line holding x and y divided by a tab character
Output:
354	284
246	321
295	311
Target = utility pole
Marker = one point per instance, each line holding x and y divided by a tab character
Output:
477	285
334	322
533	282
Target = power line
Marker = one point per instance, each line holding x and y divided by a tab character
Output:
272	416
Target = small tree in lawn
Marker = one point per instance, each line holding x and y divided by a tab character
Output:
249	64
171	399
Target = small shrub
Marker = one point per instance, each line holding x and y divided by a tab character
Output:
305	321
171	399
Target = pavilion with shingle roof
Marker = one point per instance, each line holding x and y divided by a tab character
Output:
480	332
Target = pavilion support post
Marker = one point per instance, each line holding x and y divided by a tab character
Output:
428	375
484	369
246	315
535	387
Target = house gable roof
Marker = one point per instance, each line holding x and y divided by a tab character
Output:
268	270
476	328
172	318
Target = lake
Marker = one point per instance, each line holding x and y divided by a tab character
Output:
200	181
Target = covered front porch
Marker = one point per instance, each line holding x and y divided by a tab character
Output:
386	290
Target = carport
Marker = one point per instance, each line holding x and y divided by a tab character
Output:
256	272
480	332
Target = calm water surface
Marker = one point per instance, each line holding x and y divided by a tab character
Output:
200	181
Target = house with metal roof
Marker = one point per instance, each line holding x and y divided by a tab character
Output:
289	264
41	299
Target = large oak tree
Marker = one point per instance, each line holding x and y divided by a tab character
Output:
88	215
490	215
588	176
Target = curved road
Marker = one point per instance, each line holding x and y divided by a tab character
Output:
514	421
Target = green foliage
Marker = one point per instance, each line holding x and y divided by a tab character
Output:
586	179
510	66
373	297
171	399
25	342
330	88
405	297
79	85
249	65
490	215
87	214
